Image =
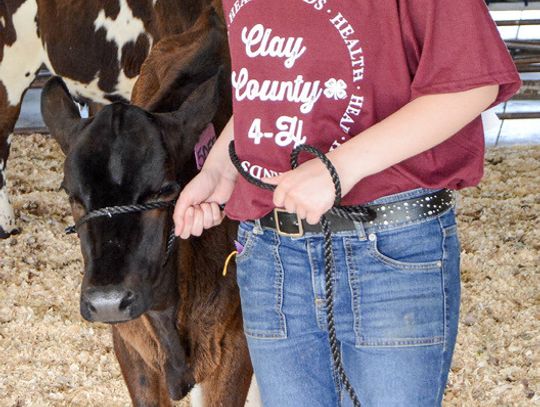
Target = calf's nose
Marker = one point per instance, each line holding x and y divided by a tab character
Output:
112	304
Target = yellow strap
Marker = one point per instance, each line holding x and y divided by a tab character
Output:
229	258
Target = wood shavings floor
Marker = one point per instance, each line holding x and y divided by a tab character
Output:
49	356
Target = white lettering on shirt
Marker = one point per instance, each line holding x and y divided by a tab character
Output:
297	91
355	108
355	51
258	171
260	42
317	4
238	4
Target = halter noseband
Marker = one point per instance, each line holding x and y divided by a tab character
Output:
111	211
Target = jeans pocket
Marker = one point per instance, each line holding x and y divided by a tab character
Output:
260	279
246	238
414	247
397	288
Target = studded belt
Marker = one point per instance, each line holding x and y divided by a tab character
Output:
391	214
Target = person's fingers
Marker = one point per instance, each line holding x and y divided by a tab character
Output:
313	217
217	214
289	204
301	212
198	219
185	200
208	216
273	180
178	217
185	232
280	191
280	195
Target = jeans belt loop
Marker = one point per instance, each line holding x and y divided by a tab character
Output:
360	231
257	229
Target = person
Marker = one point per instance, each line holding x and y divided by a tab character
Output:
391	92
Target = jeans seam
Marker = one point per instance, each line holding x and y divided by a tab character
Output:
450	230
337	378
402	342
278	265
314	271
355	294
445	309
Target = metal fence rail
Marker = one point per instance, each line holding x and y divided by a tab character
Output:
525	2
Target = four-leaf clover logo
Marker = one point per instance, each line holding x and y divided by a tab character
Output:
335	88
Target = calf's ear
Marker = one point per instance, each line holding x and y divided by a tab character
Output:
182	129
178	64
60	113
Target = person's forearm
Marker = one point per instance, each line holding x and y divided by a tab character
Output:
416	127
218	159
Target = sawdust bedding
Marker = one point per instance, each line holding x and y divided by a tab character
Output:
51	357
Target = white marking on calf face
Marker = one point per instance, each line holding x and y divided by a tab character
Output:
7	217
115	169
24	55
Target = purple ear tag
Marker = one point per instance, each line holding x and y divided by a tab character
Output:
202	148
239	247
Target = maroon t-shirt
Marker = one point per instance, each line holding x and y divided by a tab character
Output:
321	71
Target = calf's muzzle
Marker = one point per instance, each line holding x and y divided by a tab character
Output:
111	304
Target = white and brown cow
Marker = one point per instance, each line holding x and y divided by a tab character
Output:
97	46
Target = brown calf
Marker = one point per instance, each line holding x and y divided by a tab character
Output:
178	324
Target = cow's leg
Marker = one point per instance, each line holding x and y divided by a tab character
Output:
21	57
230	382
146	385
253	397
8	117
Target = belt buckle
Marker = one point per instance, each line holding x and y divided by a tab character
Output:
280	232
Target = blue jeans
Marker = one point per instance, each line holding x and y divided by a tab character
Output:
397	291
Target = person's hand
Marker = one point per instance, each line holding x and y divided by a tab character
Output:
307	191
197	207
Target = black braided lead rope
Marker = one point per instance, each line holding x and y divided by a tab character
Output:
356	213
111	211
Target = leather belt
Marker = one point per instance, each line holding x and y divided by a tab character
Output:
391	214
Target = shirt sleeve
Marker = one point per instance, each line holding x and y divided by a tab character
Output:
454	46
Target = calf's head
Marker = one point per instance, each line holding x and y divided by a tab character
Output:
125	155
